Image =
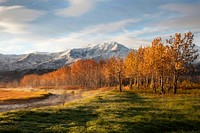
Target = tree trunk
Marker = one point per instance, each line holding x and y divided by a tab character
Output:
153	84
175	83
131	84
135	83
146	82
161	84
120	81
138	83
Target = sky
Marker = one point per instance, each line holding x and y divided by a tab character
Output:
56	25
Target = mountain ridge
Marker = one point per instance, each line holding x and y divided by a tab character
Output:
53	61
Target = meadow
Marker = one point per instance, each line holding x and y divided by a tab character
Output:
15	95
111	111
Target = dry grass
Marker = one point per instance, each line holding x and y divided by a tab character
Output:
8	95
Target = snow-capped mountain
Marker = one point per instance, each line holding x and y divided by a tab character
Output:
104	50
198	58
51	61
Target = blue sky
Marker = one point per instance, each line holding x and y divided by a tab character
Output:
56	25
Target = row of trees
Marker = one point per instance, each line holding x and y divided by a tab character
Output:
83	73
157	67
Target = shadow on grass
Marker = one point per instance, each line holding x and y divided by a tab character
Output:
144	116
58	120
158	126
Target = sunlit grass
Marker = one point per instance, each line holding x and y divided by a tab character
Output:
11	95
111	112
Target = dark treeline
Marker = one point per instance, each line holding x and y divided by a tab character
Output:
157	67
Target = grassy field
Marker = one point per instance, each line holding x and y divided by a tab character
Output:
110	112
13	95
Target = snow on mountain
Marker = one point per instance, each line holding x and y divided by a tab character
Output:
198	58
43	60
28	61
8	59
104	50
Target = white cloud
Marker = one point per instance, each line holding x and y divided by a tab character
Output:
93	34
183	23
76	8
189	18
19	14
184	9
14	19
110	27
129	40
10	27
2	1
12	46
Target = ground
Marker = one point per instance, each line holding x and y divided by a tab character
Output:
110	112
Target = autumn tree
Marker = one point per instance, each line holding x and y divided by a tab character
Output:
109	71
114	71
161	62
119	68
139	60
147	66
182	53
31	80
130	67
100	73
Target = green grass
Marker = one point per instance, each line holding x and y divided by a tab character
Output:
110	112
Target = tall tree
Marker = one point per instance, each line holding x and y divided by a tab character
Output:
130	67
114	71
110	71
119	68
139	60
183	54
